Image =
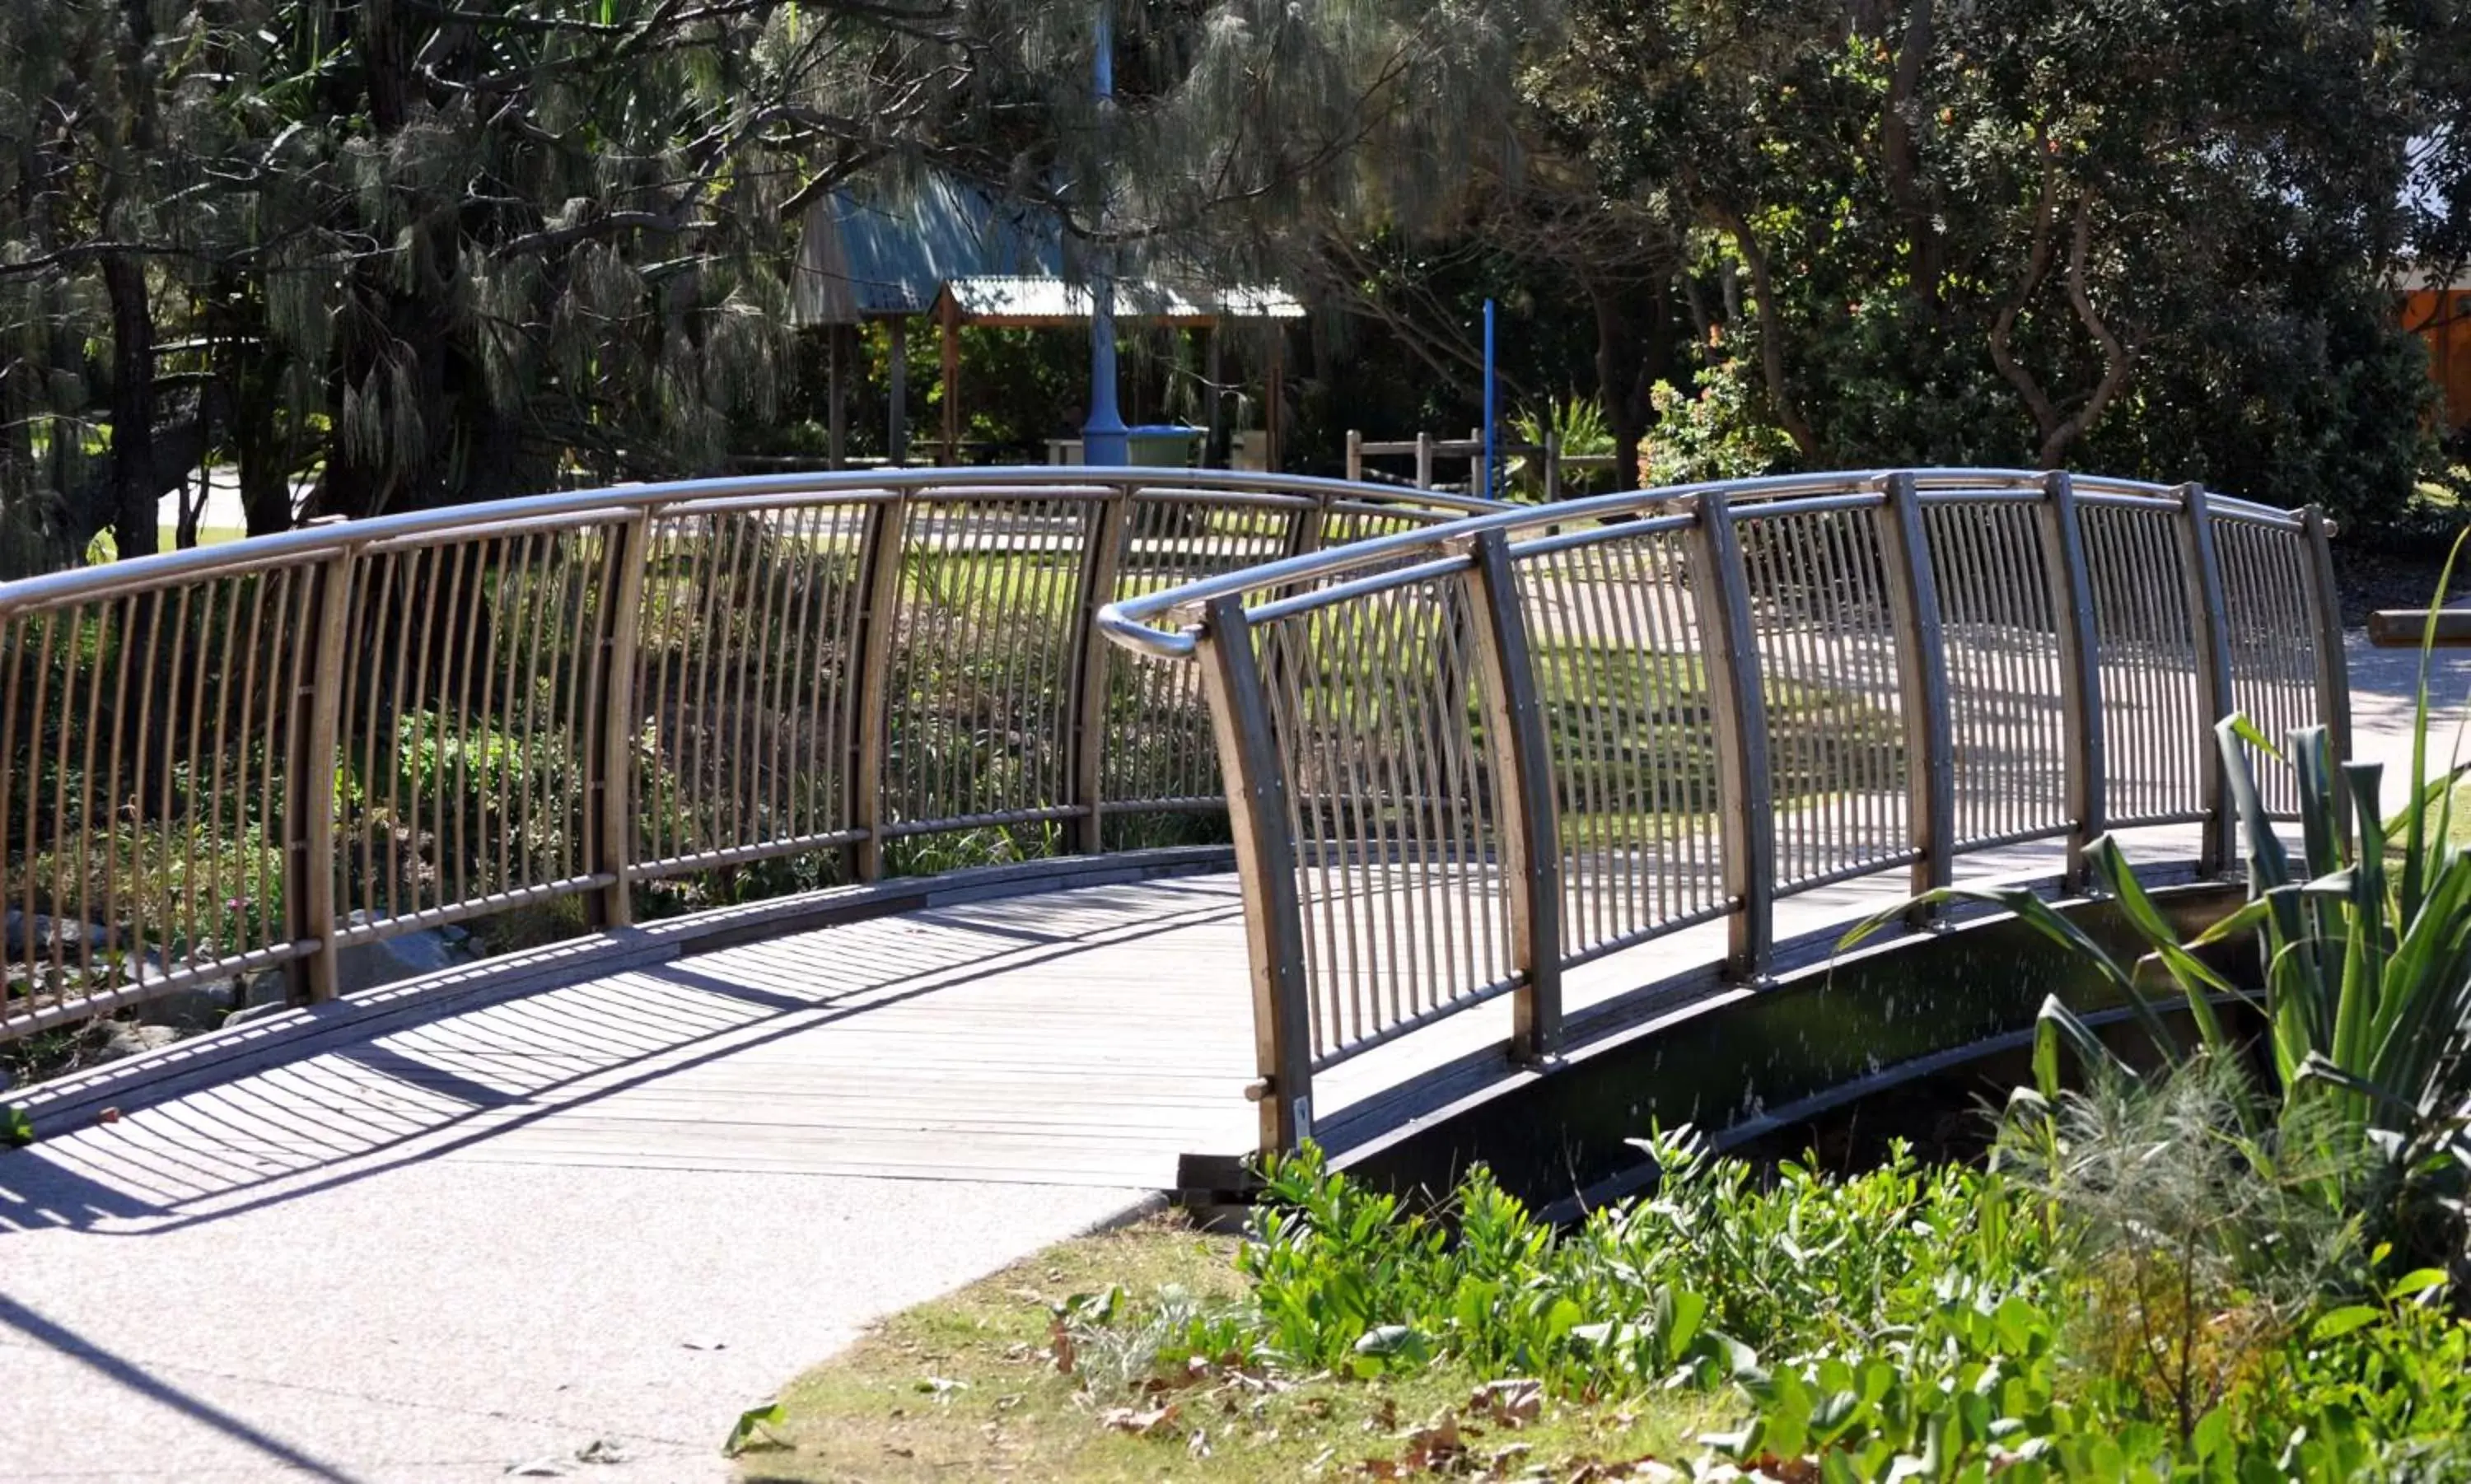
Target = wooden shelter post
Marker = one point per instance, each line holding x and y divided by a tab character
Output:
895	439
1274	399
840	345
949	311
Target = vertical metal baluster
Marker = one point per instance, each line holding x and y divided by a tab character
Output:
142	750
1314	732
697	742
544	796
1422	756
1921	653
2333	665
495	588
33	783
195	691
665	834
1522	761
85	829
835	743
293	616
879	587
132	963
794	691
1747	803
610	746
1248	756
473	559
738	614
12	633
2072	615
2208	630
313	742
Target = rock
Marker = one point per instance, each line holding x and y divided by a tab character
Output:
368	965
215	1002
48	933
262	1010
198	1006
129	1038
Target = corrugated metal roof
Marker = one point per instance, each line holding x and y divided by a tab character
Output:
862	255
865	255
1017	299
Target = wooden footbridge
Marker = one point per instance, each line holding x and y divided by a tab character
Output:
1046	828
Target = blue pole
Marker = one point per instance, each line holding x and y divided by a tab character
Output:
1491	412
1103	440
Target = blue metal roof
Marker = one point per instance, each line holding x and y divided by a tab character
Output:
864	255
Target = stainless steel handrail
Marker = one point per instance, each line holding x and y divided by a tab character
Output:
309	542
1851	648
229	757
1135	621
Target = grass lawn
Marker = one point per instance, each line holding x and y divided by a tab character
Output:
967	1388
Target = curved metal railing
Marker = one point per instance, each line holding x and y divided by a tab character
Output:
1464	759
251	755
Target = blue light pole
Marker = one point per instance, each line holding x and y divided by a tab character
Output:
1103	440
1491	412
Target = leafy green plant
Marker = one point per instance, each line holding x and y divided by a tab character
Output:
1906	1323
1686	1285
2368	996
1718	431
756	1428
1577	424
16	1130
2365	938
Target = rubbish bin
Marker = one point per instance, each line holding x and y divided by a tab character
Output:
1162	445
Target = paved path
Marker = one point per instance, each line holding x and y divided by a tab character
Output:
625	1209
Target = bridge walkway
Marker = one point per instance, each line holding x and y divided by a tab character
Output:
493	1226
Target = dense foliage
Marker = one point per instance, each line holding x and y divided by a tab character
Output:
1942	1323
2154	237
397	253
380	253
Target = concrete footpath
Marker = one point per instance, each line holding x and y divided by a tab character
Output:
439	1320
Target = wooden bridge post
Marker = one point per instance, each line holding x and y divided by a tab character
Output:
2073	621
611	757
2209	637
1091	660
309	806
1523	770
1746	812
1265	861
2333	665
1922	671
1355	456
887	527
1304	533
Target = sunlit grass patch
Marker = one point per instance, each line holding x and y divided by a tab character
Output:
970	1386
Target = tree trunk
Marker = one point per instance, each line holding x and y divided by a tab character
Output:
1613	382
134	489
262	452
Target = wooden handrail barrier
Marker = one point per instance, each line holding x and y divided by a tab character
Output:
249	757
1471	756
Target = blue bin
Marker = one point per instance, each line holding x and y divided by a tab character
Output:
1162	445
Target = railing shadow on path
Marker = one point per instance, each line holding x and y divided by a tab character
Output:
147	1382
315	1116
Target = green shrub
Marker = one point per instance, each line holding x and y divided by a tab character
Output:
1905	1322
1688	1283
